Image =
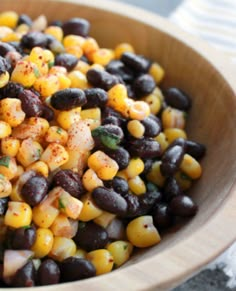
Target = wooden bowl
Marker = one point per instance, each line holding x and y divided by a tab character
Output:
209	79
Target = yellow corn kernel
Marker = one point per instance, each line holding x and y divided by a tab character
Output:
44	215
22	28
122	48
137	186
172	117
9	19
62	227
139	110
89	211
29	152
91	180
66	118
47	85
174	133
154	103
183	180
162	140
56	134
62	248
8	167
25	73
142	233
191	167
43	243
73	40
157	72
57	70
4	78
103	56
102	261
105	167
78	80
155	176
11	111
10	146
136	128
122	174
120	251
4	31
64	81
36	56
48	57
54	156
104	219
5	129
5	187
117	98
135	167
14	36
93	115
18	214
77	161
75	51
80	253
90	46
15	194
20	171
82	66
55	31
39	167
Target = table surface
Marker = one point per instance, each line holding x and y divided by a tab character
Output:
207	280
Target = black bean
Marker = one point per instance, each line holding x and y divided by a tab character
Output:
73	269
3	205
77	26
109	200
146	148
116	67
34	38
147	166
101	79
162	217
17	46
135	62
25	277
11	90
31	103
149	199
23	238
178	141
96	97
6	48
183	206
152	127
143	85
34	190
195	149
176	98
171	188
67	99
108	112
24	19
67	61
4	65
91	236
47	113
171	160
120	185
133	205
120	155
70	181
48	273
111	120
130	92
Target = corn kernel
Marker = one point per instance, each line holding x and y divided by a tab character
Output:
136	128
93	115
137	186
10	146
154	103
142	233
4	78
64	81
9	19
25	73
44	215
22	28
120	251
39	167
18	214
66	118
89	211
183	180
47	85
5	129
135	167
139	110
78	80
80	253
155	176
5	187
162	140
8	167
56	134
62	248
90	46
90	180
172	117
104	219
11	111
55	31
103	56
191	167
122	48
29	152
117	97
4	31
102	261
73	40
174	133
36	56
157	72
43	243
75	51
81	66
62	227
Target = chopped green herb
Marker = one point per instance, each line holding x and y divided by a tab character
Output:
50	64
59	130
61	204
26	226
38	152
108	139
125	247
185	177
36	72
5	161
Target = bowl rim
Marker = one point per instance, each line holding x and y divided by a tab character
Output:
217	233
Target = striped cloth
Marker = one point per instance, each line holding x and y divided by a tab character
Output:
211	20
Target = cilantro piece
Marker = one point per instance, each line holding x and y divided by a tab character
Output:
125	247
50	64
108	139
26	226
59	130
61	204
5	161
36	72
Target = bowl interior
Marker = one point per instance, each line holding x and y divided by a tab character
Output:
211	120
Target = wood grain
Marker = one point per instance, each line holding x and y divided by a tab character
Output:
209	78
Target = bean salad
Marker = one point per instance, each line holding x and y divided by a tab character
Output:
95	161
